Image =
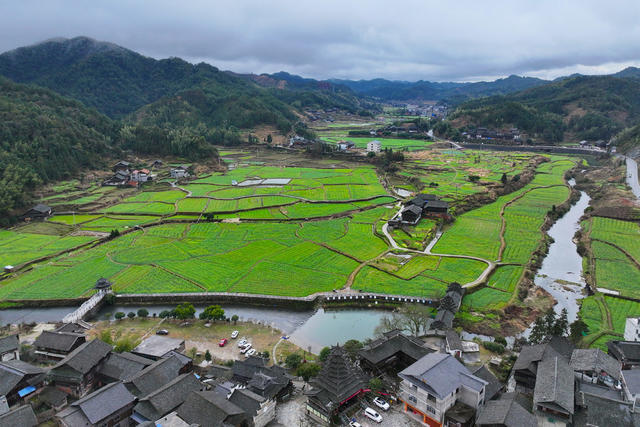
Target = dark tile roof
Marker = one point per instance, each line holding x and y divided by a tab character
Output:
59	341
52	396
416	201
493	384
505	411
451	301
104	402
247	400
339	378
601	412
631	378
441	374
74	328
209	408
9	343
182	357
42	208
595	360
157	346
22	416
268	386
453	340
530	355
219	371
625	350
563	346
438	204
154	376
555	384
12	372
413	209
85	357
244	370
167	398
443	320
122	366
392	343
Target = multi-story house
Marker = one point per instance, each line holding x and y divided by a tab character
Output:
438	388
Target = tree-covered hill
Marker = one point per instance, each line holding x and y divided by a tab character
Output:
582	107
45	137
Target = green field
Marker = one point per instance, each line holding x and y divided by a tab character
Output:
328	237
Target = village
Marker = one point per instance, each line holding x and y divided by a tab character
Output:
68	375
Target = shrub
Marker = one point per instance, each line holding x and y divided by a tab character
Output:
308	370
143	312
293	361
493	347
119	315
131	315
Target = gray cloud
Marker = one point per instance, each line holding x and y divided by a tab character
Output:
408	40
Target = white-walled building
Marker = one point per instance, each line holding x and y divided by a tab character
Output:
435	384
632	329
374	146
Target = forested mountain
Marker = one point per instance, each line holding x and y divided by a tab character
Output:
45	137
582	107
438	91
305	93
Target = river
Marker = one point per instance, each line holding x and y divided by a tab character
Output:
307	329
561	270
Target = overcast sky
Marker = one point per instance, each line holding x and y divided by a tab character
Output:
404	40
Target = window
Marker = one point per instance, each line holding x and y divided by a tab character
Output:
413	386
431	398
413	399
431	409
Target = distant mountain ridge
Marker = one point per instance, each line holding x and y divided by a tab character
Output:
452	92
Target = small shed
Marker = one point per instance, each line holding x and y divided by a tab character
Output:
103	284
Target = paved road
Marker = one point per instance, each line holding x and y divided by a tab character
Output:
632	177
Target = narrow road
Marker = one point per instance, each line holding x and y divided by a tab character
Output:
632	176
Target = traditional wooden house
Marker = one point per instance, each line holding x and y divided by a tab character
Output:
208	408
507	411
411	214
19	380
77	373
109	406
436	207
179	172
155	376
55	345
39	211
525	369
9	348
335	387
22	416
553	396
121	166
626	352
260	410
394	351
165	399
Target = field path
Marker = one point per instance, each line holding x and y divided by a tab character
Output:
427	251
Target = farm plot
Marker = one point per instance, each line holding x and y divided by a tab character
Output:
18	248
505	278
152	208
486	299
73	219
370	279
624	234
108	223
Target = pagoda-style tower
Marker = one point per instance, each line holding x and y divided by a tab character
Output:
339	381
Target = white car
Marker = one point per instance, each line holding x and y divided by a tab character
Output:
251	352
242	342
372	414
355	424
234	334
246	348
381	403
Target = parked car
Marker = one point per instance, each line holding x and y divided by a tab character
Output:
355	424
372	414
162	332
381	403
246	348
251	352
242	342
234	334
222	342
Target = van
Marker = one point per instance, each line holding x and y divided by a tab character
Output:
372	414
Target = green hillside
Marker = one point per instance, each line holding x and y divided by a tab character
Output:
582	107
45	137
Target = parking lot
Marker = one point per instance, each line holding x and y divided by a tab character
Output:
391	418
